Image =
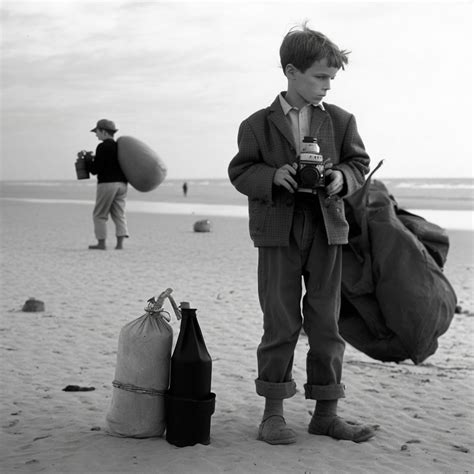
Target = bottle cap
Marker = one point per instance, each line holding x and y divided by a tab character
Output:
185	304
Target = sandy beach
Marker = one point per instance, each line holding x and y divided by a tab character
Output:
425	412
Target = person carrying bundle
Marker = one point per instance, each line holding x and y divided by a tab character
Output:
112	187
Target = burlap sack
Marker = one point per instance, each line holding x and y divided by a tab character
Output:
142	375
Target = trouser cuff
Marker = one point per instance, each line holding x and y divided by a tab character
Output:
275	390
324	392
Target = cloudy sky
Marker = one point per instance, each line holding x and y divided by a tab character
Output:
181	76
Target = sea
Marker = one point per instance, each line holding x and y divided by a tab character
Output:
448	202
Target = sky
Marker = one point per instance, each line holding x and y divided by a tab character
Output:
182	76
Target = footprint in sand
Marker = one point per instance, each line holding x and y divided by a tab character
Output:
11	424
463	449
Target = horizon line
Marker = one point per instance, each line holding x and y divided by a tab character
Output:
2	180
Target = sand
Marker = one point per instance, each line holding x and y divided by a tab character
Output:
425	412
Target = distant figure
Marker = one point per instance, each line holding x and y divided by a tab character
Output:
111	186
185	189
299	227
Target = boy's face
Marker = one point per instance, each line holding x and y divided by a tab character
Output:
101	134
310	86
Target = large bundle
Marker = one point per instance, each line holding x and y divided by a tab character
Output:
142	167
142	374
396	301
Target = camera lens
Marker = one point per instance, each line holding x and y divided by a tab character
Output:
309	176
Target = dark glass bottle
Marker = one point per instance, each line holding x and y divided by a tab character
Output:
189	400
191	364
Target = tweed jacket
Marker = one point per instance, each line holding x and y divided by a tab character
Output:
266	143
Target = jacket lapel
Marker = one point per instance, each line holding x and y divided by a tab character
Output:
317	120
279	120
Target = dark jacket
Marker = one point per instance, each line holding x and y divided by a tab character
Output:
266	143
105	163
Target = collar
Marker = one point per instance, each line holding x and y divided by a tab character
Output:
287	107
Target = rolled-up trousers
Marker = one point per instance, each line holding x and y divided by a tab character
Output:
110	199
281	272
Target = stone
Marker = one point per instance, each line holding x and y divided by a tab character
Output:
32	305
202	226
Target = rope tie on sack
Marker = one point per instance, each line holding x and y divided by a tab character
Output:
155	305
133	388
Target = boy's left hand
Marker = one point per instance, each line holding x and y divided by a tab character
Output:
335	180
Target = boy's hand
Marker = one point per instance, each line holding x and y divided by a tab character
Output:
327	165
284	177
335	180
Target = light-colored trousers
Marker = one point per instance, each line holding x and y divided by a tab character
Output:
110	199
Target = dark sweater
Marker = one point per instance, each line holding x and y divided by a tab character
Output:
106	165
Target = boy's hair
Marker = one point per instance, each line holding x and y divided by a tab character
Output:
302	46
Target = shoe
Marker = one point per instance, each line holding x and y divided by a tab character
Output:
99	246
273	430
119	245
337	428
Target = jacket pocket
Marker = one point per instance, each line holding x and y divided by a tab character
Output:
257	215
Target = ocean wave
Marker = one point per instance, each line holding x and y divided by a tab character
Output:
414	185
394	183
33	183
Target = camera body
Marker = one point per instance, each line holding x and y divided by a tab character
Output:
84	158
310	172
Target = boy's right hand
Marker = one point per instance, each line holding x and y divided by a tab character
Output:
284	177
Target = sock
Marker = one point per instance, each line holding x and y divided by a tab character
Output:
326	408
273	407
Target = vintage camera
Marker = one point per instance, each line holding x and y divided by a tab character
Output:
310	172
84	158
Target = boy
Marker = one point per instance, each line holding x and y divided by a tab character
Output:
299	232
111	186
